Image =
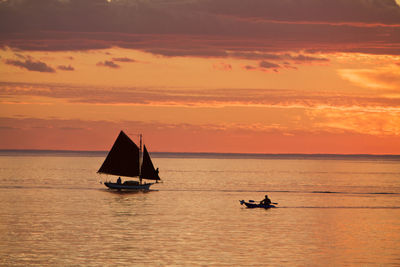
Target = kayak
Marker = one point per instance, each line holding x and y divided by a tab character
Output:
251	204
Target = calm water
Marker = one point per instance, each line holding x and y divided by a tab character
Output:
333	211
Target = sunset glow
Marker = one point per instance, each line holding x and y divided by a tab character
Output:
201	76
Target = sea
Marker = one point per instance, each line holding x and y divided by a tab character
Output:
333	210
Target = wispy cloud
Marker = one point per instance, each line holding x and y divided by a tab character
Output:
31	65
33	133
124	59
108	63
269	65
357	121
200	97
295	58
67	68
380	78
222	66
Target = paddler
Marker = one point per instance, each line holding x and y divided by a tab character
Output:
266	201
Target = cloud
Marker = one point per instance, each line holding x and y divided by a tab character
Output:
203	28
269	65
249	67
305	58
296	58
123	59
108	63
199	97
384	78
67	68
18	55
372	123
179	51
222	66
31	65
365	11
73	134
264	66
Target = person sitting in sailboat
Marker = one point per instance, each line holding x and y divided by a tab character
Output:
266	201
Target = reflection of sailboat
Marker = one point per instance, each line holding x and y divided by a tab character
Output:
124	160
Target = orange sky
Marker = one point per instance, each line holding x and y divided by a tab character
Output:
314	76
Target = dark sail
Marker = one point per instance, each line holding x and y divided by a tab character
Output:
148	171
123	158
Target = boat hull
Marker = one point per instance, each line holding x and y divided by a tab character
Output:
128	187
256	205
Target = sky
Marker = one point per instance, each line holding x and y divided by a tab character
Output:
231	76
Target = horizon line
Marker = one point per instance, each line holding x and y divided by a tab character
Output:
201	153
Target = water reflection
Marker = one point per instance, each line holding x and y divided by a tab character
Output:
194	218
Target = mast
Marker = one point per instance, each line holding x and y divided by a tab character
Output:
140	158
140	142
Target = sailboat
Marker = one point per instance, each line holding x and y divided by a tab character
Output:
127	159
